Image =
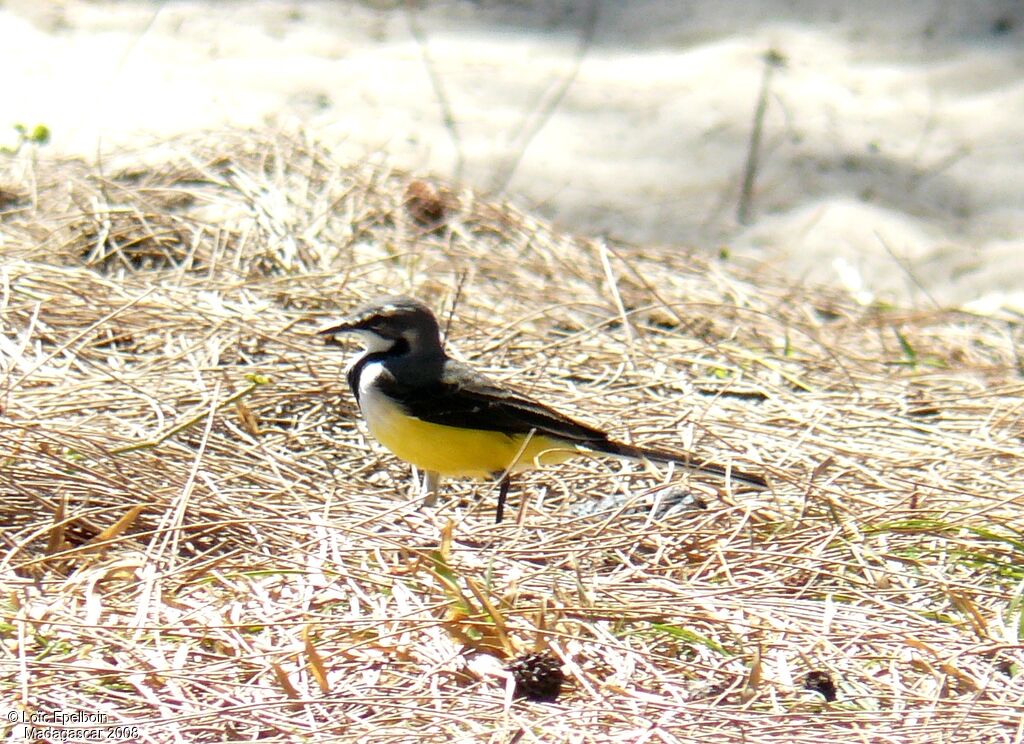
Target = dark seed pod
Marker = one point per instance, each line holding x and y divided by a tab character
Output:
821	682
537	676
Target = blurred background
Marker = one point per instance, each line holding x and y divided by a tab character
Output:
889	159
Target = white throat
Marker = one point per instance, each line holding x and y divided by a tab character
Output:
378	410
372	343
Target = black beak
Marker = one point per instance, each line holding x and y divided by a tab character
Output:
342	327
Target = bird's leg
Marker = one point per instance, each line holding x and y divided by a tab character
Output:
506	481
431	479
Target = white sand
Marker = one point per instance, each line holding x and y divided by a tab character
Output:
893	157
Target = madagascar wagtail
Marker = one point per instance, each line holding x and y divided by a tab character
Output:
447	419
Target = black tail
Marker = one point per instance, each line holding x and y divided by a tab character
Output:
612	447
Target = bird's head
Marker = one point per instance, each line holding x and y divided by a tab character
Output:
395	324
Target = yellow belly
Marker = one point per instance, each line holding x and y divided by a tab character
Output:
462	452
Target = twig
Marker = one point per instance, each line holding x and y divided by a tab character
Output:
613	288
905	267
459	283
254	382
442	98
772	61
543	113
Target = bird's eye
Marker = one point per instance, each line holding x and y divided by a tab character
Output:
382	329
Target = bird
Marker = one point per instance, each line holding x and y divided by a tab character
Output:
442	416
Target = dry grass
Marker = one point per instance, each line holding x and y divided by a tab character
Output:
260	570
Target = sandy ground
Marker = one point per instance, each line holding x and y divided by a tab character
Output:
892	158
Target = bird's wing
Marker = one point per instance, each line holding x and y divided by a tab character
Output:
464	398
